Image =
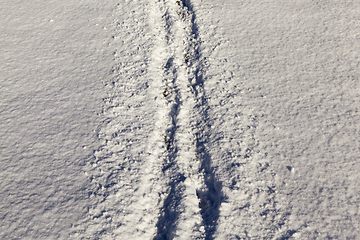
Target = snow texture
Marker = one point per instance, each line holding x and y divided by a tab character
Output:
180	119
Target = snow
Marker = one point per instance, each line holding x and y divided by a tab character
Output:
191	119
288	85
53	61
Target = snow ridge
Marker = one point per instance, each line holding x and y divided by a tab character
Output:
189	194
115	172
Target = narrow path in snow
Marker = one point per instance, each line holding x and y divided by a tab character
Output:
189	195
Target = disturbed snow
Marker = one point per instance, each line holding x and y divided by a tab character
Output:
188	119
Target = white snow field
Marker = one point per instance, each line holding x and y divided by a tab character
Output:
180	119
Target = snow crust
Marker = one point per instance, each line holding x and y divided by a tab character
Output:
189	119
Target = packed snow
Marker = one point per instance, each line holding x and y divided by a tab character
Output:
180	119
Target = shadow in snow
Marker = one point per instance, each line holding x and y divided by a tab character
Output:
170	213
210	197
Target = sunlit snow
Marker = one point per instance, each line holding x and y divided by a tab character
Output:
188	119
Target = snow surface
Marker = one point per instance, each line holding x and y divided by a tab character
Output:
189	119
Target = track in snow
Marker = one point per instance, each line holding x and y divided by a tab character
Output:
152	178
191	197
